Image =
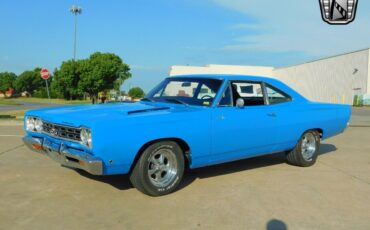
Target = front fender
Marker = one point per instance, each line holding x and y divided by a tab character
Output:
119	143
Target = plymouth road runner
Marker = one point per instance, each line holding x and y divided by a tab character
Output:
185	122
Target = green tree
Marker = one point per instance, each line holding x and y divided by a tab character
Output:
101	72
29	81
66	79
124	75
6	81
136	92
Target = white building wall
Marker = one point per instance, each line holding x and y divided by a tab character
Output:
335	79
368	74
222	69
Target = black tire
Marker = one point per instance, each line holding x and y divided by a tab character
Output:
299	156
154	178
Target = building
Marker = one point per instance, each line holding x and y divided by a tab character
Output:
266	71
335	79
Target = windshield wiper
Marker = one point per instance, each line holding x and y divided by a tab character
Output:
176	101
147	99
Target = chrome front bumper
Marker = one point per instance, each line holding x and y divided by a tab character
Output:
65	156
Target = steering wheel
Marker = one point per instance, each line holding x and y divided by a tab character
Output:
206	97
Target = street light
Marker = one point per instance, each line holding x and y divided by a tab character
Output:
75	10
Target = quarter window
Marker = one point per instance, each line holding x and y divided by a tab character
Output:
276	96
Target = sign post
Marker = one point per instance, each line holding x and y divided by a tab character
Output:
45	75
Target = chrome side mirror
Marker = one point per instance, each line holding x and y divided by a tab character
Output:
240	103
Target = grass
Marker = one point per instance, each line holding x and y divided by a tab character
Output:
22	100
8	102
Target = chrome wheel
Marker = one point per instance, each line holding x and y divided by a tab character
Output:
162	168
308	146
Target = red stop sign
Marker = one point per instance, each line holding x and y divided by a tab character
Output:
45	73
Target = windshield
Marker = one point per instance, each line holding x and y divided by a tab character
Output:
190	91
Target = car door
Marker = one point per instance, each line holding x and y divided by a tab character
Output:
243	131
288	117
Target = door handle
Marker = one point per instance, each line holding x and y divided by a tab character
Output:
272	115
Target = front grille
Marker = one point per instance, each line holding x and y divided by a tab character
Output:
62	131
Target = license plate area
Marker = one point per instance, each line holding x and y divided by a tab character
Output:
50	146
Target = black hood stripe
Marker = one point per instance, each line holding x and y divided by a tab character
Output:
147	110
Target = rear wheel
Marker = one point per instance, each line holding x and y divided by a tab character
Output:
159	169
306	151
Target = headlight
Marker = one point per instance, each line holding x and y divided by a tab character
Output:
38	125
86	137
34	124
30	124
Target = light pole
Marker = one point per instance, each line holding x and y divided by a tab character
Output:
75	10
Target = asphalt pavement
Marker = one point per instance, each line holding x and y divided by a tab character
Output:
258	193
360	117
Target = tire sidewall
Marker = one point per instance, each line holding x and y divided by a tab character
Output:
144	166
316	153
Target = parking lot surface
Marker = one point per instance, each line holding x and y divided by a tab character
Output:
258	193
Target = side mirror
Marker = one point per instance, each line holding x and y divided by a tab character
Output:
239	103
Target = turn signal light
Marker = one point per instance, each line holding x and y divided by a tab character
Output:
37	147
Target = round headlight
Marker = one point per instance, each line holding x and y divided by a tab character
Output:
30	124
38	125
86	137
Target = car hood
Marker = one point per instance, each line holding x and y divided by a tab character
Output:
89	114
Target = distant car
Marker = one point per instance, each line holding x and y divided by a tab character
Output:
186	122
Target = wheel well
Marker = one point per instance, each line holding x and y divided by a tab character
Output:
321	132
183	145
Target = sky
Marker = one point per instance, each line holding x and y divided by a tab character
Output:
151	36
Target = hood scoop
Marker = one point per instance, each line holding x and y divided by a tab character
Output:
147	110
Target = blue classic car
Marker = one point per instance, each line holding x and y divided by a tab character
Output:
185	122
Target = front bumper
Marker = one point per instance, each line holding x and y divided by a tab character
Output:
68	157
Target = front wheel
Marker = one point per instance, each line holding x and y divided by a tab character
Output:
306	151
159	169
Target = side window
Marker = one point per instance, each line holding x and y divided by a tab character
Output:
250	92
276	96
248	89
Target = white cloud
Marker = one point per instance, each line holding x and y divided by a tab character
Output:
296	25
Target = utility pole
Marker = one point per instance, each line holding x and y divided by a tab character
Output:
75	10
